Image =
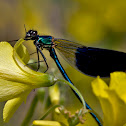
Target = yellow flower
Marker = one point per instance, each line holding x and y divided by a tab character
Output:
16	79
45	123
54	94
112	98
98	20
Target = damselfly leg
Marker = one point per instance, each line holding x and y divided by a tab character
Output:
39	50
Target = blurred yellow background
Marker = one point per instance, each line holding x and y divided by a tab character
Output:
89	22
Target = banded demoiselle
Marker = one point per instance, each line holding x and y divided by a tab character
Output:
88	60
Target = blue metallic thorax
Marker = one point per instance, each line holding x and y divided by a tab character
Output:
46	40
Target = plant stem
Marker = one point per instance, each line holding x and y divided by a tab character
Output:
30	112
51	109
75	89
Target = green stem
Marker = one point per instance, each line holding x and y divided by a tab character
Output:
75	89
51	109
30	112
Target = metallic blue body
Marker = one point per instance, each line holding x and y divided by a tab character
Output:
55	58
45	40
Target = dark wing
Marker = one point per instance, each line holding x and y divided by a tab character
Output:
92	61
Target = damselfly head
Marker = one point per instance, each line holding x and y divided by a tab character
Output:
31	34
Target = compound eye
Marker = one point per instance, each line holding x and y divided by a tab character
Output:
27	34
34	33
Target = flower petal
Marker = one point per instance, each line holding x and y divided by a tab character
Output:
54	94
118	107
118	83
9	89
29	72
12	105
13	79
99	87
45	123
23	53
114	108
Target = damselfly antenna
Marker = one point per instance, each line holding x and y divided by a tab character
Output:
18	39
25	28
